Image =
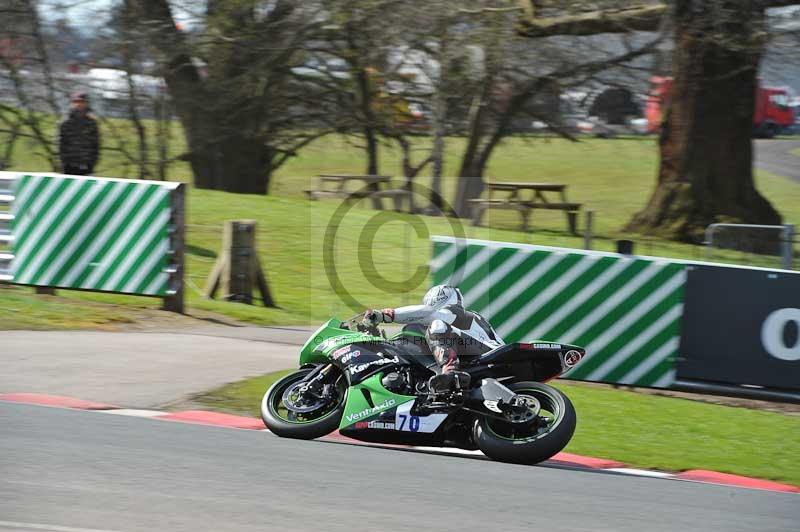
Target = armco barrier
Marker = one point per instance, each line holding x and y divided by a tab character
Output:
100	234
741	326
627	311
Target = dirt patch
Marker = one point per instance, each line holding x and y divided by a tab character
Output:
153	320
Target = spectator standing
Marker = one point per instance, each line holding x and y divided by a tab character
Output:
79	138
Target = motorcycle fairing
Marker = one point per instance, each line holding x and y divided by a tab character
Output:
540	362
367	400
392	418
329	338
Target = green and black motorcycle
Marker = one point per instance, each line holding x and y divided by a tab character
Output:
374	388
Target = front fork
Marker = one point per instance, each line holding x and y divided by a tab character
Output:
314	382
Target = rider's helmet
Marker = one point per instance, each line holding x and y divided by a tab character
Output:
442	295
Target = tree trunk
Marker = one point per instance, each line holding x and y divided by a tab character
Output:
365	97
238	165
227	146
705	174
470	175
372	150
437	152
438	118
224	155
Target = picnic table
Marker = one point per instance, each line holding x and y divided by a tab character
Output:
375	187
525	197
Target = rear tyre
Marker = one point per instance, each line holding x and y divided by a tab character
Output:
322	416
530	442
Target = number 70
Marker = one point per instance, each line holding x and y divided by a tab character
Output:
413	422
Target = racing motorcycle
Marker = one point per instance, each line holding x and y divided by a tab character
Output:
374	388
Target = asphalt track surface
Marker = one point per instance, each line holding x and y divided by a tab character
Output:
141	369
773	156
66	470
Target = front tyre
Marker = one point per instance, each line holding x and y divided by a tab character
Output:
533	441
289	414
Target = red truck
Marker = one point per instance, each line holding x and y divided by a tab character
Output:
772	113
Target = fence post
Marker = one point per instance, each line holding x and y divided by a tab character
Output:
788	246
238	269
587	233
174	301
407	257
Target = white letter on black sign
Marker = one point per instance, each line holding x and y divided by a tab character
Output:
772	334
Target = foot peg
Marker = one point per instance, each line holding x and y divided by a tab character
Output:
449	382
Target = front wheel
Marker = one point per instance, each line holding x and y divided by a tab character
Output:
532	438
292	411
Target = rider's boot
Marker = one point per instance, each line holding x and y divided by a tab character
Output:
451	381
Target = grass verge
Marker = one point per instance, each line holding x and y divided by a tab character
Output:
612	177
641	430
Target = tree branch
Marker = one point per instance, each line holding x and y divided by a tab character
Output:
634	18
640	18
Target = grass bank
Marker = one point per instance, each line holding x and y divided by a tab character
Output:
611	177
641	430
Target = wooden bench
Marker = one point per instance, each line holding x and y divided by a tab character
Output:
371	189
516	201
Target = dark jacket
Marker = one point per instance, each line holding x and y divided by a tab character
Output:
79	141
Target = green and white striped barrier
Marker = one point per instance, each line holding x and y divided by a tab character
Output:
6	218
110	235
625	311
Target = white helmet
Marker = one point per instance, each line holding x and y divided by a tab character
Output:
443	295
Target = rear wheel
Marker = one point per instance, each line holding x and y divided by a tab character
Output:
533	436
293	410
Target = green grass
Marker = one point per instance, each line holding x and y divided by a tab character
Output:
611	177
677	434
239	397
640	430
19	309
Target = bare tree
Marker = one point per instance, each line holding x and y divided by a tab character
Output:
27	56
705	172
516	83
232	89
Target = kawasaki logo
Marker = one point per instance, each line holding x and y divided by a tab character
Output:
358	368
380	407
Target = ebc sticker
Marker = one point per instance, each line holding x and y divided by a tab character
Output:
339	352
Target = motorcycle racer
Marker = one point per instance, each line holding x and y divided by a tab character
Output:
451	331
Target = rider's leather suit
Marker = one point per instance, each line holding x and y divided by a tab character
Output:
451	331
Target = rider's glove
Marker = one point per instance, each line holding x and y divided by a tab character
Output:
379	316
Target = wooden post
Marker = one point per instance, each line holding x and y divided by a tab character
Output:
572	222
587	233
238	269
174	301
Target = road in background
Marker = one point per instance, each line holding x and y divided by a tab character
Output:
142	369
774	157
91	470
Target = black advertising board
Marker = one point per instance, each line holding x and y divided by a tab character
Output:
741	326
